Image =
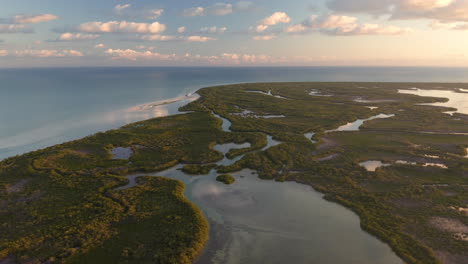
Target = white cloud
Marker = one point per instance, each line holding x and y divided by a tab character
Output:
275	18
33	19
145	47
134	55
437	25
443	10
44	53
122	27
77	36
14	28
3	53
236	58
154	14
119	9
175	38
99	46
181	29
266	37
425	4
218	9
224	58
157	37
298	28
343	25
198	39
213	30
194	11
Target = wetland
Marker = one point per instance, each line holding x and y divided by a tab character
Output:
147	192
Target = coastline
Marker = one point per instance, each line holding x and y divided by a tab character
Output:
157	124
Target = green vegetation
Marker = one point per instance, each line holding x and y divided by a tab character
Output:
395	203
226	179
198	169
60	204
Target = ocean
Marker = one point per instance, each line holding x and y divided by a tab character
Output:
46	106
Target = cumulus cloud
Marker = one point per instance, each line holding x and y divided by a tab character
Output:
265	37
19	23
44	53
198	39
77	36
119	9
3	53
224	58
15	28
442	10
181	29
343	25
236	58
437	25
218	9
425	4
158	37
193	38
122	27
298	28
99	46
33	19
154	14
194	11
275	18
213	30
134	55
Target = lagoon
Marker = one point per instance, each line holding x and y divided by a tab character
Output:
47	106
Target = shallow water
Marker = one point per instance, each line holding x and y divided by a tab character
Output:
257	221
309	136
268	93
456	100
47	106
121	153
373	165
355	126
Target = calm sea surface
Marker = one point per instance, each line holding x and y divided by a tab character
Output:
252	221
43	107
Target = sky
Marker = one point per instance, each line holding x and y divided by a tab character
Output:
64	33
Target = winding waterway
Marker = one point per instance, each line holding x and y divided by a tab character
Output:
259	221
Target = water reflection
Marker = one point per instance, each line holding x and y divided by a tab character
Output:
356	125
456	100
257	221
55	132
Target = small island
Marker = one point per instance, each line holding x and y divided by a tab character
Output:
226	179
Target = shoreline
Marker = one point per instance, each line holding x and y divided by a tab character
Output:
336	196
